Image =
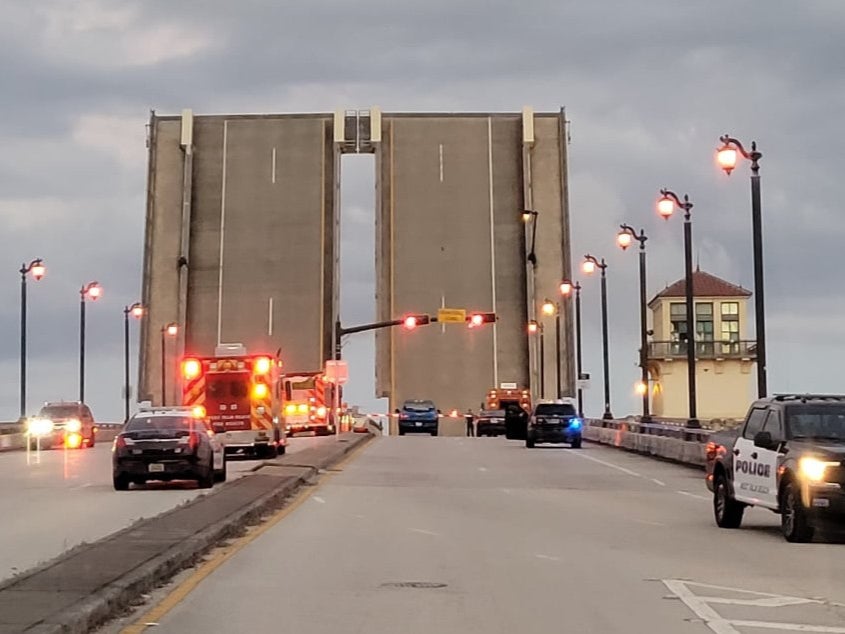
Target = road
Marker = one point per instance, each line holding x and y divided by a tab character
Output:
67	499
516	540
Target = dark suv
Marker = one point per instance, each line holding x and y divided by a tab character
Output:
554	422
418	417
63	424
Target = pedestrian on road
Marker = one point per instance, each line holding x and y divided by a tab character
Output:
470	426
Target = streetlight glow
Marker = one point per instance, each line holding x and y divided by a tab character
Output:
137	311
38	270
666	207
548	308
172	329
640	388
589	267
624	239
565	288
726	156
533	327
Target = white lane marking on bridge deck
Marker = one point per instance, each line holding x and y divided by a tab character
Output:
693	495
607	464
317	498
440	150
701	606
482	468
422	531
222	235
658	482
547	557
273	166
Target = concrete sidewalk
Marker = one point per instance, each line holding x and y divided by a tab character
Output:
90	584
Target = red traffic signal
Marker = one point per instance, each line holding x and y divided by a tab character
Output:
474	320
412	321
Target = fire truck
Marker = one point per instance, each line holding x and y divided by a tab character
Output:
240	395
515	401
308	404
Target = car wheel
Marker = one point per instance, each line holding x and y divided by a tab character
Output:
434	433
401	432
576	443
121	482
220	476
91	441
206	480
281	450
727	511
793	517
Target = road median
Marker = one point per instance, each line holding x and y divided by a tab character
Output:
95	582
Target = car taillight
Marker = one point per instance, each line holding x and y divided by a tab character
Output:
121	441
711	450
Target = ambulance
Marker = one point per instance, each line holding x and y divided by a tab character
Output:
240	395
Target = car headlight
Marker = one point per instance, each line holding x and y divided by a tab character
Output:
39	426
813	469
73	425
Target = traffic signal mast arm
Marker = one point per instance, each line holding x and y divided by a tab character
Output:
412	321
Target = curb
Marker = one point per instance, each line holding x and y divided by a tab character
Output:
110	600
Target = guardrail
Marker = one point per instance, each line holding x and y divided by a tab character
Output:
669	442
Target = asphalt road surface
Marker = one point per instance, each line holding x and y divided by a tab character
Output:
458	535
67	498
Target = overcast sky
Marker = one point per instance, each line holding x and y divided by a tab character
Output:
649	87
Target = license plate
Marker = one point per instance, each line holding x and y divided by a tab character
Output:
418	424
156	467
822	502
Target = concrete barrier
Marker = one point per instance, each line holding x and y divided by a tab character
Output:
675	449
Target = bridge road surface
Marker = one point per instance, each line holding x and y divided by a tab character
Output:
68	498
546	540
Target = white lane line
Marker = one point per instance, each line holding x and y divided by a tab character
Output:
658	482
422	531
608	464
648	522
482	468
317	498
441	162
693	495
273	166
700	608
506	491
547	557
789	627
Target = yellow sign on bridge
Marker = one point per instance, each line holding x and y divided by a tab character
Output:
452	315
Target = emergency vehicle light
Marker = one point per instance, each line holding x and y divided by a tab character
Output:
261	366
191	368
303	408
198	411
321	412
290	409
260	390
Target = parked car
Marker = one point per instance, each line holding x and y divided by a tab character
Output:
418	417
554	422
167	444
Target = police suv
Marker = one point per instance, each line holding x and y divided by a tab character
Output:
788	456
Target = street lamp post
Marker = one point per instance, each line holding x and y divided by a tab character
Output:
137	311
536	328
727	156
552	309
36	267
626	235
566	288
529	215
91	290
170	330
589	266
666	207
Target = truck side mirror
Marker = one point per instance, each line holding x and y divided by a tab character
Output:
763	439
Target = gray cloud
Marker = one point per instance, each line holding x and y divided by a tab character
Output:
648	87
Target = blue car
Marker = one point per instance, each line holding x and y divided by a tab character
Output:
554	422
418	417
